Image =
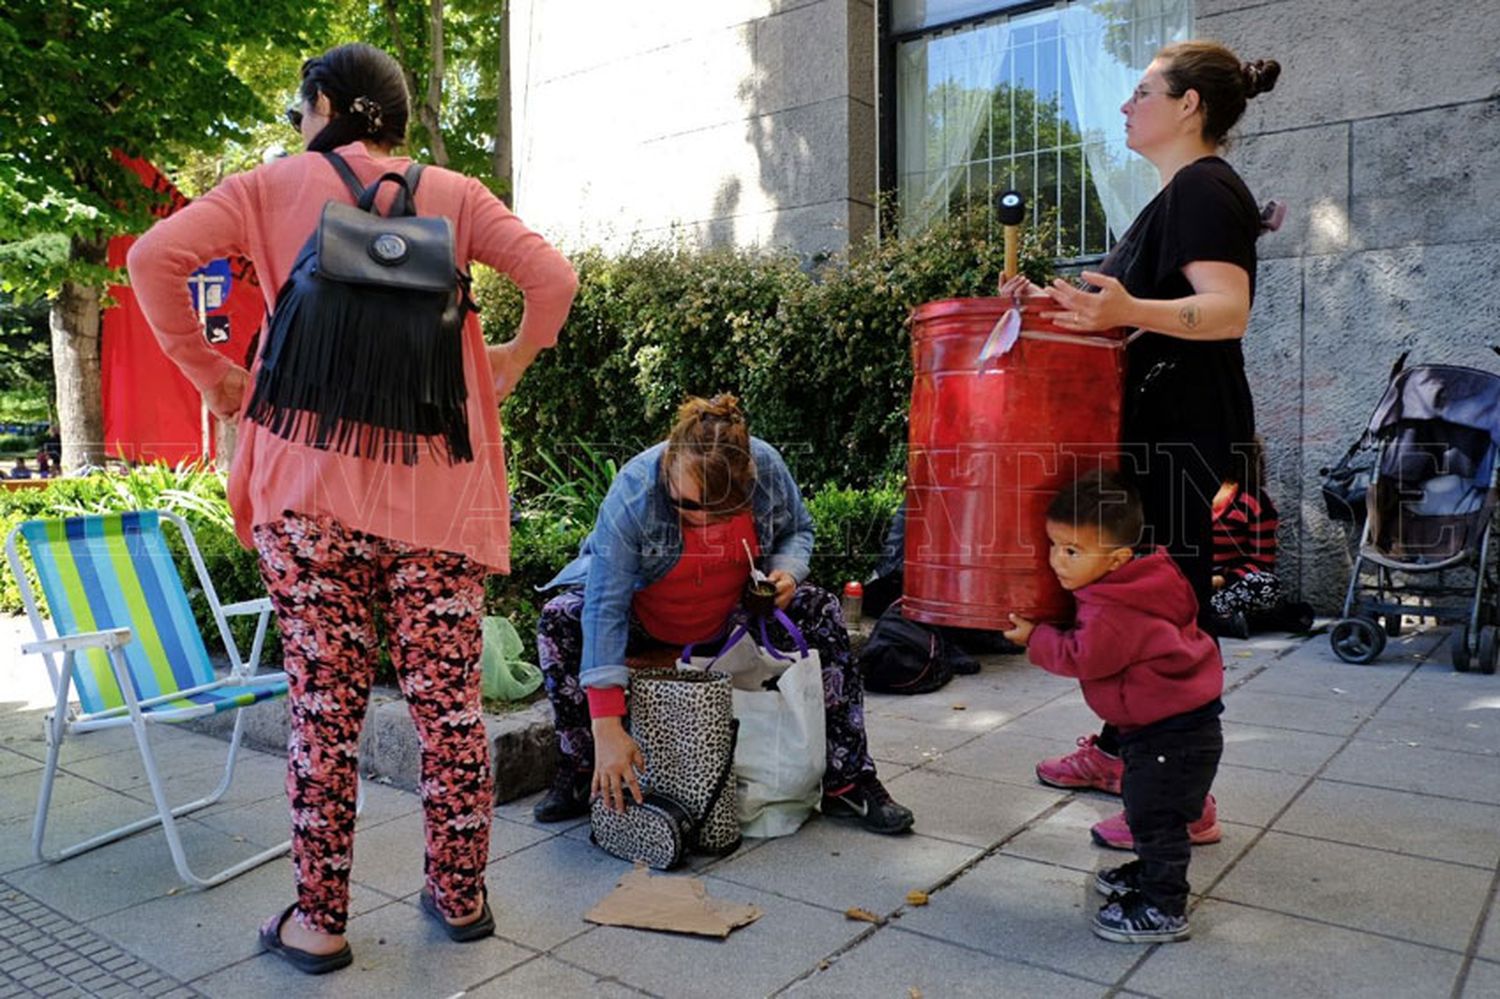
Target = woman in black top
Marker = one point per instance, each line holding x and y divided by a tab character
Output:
1184	276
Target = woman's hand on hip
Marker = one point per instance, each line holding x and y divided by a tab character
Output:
1089	311
508	362
617	761
225	399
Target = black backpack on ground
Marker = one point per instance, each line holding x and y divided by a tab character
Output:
904	657
364	348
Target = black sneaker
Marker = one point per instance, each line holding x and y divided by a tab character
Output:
1118	880
868	801
568	798
1129	918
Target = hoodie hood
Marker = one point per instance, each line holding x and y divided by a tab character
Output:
1152	585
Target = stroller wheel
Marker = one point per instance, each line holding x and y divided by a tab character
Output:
1489	649
1357	640
1460	648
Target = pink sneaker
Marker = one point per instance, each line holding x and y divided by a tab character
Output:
1114	832
1087	766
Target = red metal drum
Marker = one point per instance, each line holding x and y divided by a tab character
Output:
990	444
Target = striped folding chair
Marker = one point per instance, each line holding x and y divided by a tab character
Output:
131	651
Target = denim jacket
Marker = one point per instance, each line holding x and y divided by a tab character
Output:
637	539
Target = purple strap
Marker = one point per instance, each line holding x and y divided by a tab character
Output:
765	639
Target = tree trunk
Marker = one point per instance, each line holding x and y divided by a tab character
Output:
502	160
432	107
76	324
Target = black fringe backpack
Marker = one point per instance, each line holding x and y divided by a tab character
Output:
364	348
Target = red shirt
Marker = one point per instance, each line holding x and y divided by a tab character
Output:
690	603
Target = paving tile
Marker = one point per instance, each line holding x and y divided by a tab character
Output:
1464	718
839	865
398	952
1483	981
1023	911
1264	748
980	708
1063	717
67	822
756	960
1489	943
1437	904
389	856
1230	955
903	741
1396	765
519	810
897	963
539	894
1253	797
1423	826
12	763
134	870
1338	683
267	820
206	934
1286	711
18	794
257	777
1002	755
544	976
966	810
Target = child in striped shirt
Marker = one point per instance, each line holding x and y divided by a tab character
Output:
1244	526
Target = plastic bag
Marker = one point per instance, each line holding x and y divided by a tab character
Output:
506	677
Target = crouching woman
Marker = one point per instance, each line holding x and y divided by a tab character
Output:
666	565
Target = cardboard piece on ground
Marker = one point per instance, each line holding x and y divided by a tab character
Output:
674	904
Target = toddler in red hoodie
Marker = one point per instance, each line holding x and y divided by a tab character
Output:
1146	667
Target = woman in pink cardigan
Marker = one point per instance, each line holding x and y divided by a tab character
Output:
339	524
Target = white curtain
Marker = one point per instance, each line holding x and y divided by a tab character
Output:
1107	45
947	85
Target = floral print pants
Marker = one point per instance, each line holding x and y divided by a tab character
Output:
324	579
814	611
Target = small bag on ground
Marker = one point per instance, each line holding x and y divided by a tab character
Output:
684	724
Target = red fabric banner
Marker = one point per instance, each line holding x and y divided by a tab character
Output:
151	412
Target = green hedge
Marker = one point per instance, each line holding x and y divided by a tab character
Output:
849	526
820	359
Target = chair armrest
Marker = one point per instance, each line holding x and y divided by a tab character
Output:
111	638
257	606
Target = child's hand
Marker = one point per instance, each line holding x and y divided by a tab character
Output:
1021	632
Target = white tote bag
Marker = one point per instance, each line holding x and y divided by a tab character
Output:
782	751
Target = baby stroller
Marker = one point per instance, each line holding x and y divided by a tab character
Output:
1429	510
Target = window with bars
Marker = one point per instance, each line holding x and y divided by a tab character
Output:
1025	95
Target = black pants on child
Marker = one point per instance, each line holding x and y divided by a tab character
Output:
1168	773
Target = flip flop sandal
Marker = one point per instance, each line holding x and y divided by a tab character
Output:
480	928
304	961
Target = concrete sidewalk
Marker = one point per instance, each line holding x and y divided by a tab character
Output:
1361	808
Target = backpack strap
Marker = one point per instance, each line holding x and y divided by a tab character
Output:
406	201
405	198
346	174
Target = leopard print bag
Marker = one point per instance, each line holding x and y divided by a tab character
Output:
684	723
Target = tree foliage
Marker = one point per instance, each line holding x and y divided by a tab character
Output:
85	80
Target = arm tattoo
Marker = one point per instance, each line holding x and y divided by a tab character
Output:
1189	316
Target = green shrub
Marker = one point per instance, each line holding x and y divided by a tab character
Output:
821	360
849	526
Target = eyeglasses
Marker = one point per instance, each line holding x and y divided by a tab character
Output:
1141	93
691	506
294	117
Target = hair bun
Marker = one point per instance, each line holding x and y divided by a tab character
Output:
1260	76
